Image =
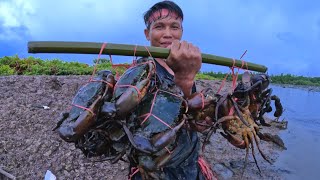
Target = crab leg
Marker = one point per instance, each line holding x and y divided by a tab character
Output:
262	154
234	140
238	112
262	109
246	143
252	148
226	118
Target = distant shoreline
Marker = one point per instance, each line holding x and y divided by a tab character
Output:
304	87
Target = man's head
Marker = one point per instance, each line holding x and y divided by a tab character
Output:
163	23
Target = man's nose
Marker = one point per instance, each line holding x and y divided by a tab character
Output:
167	33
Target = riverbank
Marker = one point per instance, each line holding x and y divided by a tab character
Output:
304	87
29	147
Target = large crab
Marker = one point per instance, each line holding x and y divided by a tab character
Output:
238	132
256	87
209	112
86	106
153	128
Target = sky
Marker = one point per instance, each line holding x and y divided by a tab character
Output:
283	35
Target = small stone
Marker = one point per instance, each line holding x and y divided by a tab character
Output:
72	148
68	167
48	153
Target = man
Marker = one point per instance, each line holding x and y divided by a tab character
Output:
164	29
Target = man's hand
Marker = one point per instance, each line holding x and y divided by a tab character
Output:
185	61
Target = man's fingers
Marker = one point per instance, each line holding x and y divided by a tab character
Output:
194	49
190	46
175	45
184	45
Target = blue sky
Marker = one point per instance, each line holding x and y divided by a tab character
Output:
283	35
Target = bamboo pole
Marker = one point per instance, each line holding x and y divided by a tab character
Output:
127	50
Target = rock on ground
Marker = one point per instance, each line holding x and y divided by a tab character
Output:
29	147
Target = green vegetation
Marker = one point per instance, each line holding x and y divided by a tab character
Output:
279	79
13	65
295	80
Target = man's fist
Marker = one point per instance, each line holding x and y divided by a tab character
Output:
184	59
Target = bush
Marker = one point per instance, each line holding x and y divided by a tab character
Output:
5	70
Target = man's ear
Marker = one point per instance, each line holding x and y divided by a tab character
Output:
146	33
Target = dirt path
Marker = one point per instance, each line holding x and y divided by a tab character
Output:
29	147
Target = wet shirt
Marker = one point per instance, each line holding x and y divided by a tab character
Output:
184	159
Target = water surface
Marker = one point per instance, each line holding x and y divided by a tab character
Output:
302	110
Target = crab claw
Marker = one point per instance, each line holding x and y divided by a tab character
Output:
70	132
198	101
273	138
278	105
131	97
155	144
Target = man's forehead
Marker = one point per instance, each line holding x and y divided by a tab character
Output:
164	15
167	19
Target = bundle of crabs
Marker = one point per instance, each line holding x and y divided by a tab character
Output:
138	117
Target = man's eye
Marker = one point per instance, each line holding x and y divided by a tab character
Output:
175	27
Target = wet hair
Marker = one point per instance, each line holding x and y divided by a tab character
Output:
169	5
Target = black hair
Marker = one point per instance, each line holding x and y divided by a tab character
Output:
169	5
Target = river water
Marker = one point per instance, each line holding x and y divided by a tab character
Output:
302	138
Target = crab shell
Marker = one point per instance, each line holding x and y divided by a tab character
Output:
160	110
264	78
154	125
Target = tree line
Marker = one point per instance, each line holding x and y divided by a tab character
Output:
13	65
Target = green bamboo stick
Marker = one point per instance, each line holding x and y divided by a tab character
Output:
127	50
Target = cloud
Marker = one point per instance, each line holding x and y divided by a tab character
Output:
15	19
69	20
271	31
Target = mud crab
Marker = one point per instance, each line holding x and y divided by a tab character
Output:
256	87
85	107
231	113
235	130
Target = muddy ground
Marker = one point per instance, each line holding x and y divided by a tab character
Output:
29	147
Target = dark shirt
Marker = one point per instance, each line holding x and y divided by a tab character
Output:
184	159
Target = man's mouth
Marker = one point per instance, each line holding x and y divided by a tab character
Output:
166	44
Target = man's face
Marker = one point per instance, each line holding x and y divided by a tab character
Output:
163	31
